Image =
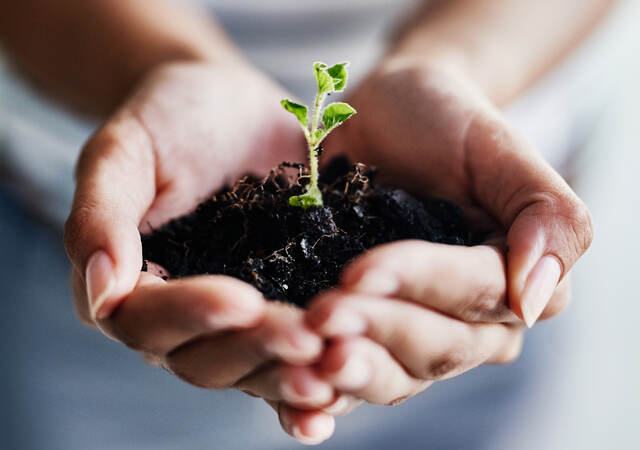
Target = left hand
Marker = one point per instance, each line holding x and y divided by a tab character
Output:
446	315
409	313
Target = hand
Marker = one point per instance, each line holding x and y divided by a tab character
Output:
189	129
409	313
430	131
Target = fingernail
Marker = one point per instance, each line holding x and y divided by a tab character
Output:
304	340
309	344
100	281
344	321
319	427
539	288
338	407
306	389
376	282
355	374
299	345
296	432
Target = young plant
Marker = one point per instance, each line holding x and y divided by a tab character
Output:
330	79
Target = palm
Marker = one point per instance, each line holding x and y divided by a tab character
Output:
413	127
209	126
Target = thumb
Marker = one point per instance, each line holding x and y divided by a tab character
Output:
115	187
548	226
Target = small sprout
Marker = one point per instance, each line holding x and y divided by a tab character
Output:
330	79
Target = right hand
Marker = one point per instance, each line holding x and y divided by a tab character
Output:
189	129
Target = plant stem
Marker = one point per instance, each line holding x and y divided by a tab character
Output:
313	179
316	113
313	188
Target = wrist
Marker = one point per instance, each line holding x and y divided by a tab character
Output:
156	64
440	60
437	69
476	66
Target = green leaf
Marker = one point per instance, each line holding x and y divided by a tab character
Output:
305	201
335	114
300	111
319	134
339	74
325	81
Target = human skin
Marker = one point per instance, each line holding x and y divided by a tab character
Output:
427	112
443	134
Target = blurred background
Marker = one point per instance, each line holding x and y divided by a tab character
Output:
576	386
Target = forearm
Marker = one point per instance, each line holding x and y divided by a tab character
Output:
90	53
501	45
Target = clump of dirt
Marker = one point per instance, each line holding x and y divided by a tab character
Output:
249	231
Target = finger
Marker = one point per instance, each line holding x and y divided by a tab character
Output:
308	427
466	282
115	187
220	361
430	345
80	291
159	316
559	300
360	367
549	226
298	386
342	405
284	335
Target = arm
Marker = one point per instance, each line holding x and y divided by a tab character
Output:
92	53
503	46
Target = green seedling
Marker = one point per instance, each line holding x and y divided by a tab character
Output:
330	79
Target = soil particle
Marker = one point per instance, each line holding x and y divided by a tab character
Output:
250	231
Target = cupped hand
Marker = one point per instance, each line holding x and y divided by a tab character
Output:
409	313
429	130
189	129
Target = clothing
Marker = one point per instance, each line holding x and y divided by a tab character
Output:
285	37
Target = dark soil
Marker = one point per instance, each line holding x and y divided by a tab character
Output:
251	232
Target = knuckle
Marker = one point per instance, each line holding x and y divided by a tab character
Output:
445	363
574	215
486	305
579	219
